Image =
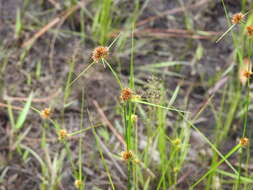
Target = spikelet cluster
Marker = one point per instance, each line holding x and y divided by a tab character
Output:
244	141
237	18
176	141
100	52
63	134
127	155
78	183
46	113
134	118
126	94
245	71
250	30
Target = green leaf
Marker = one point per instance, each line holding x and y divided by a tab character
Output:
199	52
174	96
164	64
104	133
22	116
18	26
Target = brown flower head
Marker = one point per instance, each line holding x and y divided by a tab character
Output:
237	18
126	155
245	71
246	74
126	94
46	113
78	183
244	141
250	30
62	135
99	53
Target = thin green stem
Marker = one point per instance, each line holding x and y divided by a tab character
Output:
129	126
129	171
114	41
240	170
131	81
69	154
127	108
216	165
125	124
102	155
195	128
114	73
170	108
86	129
85	70
244	133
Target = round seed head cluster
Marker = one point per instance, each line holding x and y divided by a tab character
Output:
176	141
126	94
250	30
99	53
134	118
245	71
46	113
246	74
127	155
244	141
78	183
62	134
237	18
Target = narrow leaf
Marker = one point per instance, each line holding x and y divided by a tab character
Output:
22	116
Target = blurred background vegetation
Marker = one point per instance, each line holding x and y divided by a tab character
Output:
195	108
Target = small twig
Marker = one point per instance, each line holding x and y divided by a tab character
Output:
170	33
218	85
60	18
120	138
13	107
21	99
181	179
108	123
55	4
173	11
174	33
42	31
106	150
211	93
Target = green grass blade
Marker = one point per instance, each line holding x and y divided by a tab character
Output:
18	25
22	116
234	176
174	96
216	165
165	64
21	137
159	106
